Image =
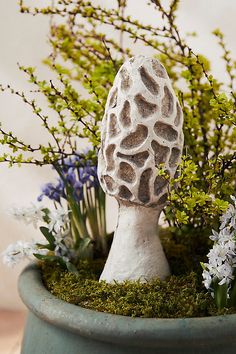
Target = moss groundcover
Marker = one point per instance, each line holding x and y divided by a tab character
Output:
181	295
178	296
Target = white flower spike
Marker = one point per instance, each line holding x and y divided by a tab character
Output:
222	257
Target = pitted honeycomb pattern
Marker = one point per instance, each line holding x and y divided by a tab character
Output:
141	129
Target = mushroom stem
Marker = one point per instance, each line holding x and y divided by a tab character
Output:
136	252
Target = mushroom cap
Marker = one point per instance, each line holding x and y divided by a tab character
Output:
141	131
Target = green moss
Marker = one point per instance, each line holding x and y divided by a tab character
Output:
181	295
178	296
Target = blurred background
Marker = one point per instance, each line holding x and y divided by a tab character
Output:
24	40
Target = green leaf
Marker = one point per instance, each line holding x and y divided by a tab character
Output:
45	257
232	295
84	243
47	246
220	294
51	259
182	217
71	268
46	217
48	235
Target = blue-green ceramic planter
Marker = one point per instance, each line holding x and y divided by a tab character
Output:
56	327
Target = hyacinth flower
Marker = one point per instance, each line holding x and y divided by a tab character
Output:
78	185
219	274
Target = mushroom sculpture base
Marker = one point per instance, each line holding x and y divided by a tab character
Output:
136	252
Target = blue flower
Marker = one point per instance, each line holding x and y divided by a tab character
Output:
52	192
78	173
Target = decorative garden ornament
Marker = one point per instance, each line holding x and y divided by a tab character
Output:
141	132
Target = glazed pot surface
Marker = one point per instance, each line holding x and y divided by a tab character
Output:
57	327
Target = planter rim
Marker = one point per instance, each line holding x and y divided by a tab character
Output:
116	328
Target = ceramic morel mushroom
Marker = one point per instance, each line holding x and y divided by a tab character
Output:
141	131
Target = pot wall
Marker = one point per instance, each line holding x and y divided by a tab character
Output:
56	327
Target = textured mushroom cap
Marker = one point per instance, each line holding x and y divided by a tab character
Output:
141	130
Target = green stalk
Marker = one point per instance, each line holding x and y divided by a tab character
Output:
78	218
91	212
101	199
220	292
232	295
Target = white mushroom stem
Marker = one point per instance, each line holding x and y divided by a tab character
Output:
136	252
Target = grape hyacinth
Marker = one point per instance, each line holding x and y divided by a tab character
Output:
78	173
79	186
73	229
219	273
